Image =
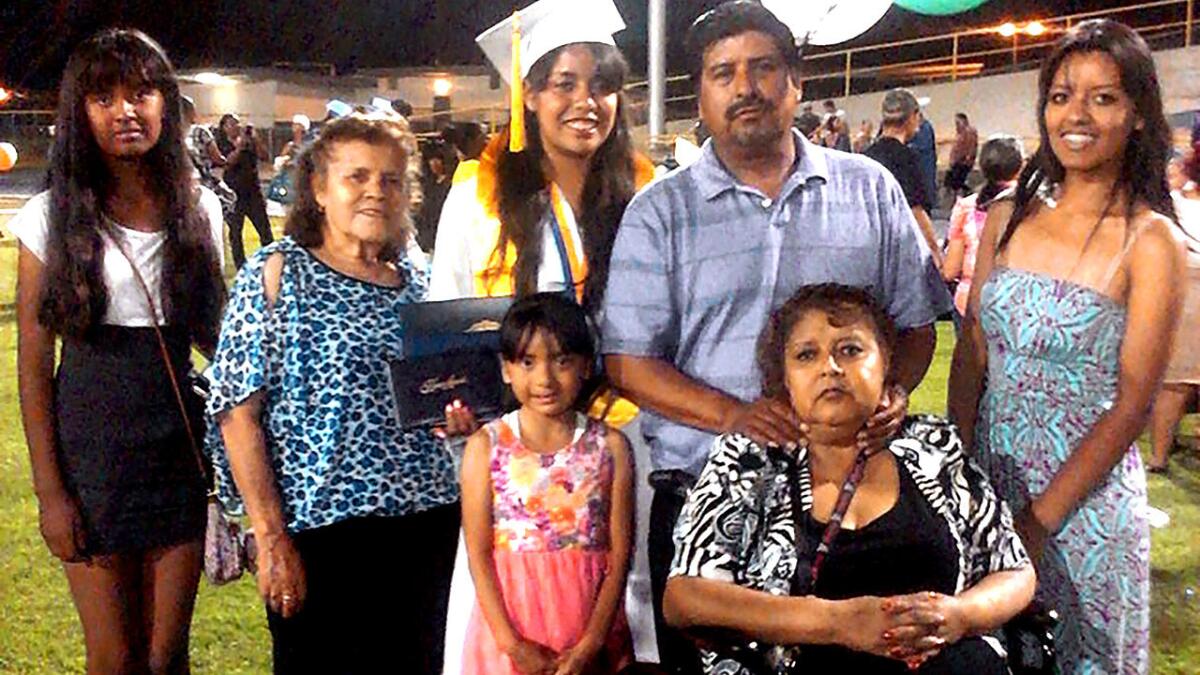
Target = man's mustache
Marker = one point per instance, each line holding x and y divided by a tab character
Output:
748	103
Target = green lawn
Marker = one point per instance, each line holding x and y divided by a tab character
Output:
39	632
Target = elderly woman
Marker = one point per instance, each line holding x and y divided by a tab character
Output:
353	514
871	563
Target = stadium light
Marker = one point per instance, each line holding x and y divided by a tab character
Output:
212	79
442	86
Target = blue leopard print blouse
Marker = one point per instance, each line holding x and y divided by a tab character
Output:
320	354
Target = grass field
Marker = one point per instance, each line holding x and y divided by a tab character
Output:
39	631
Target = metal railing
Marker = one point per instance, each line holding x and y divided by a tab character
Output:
973	52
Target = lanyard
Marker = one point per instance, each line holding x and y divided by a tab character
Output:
574	270
804	587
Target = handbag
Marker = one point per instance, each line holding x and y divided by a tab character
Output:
225	554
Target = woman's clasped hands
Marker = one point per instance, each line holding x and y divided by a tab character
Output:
911	628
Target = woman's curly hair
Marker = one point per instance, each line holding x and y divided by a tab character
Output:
843	305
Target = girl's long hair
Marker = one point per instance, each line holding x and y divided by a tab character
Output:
521	196
1144	167
73	296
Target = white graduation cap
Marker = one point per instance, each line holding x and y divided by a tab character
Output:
547	25
516	43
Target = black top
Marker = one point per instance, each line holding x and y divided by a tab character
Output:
242	174
908	549
902	162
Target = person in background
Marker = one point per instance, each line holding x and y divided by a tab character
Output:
830	108
547	509
305	436
1181	383
206	157
1001	162
704	255
120	265
808	122
962	155
1068	332
242	147
301	125
435	186
834	135
863	137
468	140
893	149
924	144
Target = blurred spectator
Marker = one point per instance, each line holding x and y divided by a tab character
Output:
1181	384
808	121
924	143
434	186
300	137
962	155
901	118
863	137
242	147
833	133
1000	161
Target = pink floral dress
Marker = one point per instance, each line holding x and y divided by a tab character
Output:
550	515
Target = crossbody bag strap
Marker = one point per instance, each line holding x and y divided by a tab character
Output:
166	356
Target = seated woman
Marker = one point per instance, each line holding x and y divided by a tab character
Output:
878	563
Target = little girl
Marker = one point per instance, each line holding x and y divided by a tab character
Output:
547	510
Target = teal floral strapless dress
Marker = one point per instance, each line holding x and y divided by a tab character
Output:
1053	354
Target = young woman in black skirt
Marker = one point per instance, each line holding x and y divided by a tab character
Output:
120	491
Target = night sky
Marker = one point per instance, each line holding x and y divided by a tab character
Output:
36	36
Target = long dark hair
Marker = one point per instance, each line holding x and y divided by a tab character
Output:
74	297
220	135
521	200
1000	161
306	221
1144	168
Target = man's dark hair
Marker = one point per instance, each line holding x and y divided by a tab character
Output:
962	116
734	18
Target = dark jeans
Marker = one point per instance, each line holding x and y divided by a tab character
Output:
252	205
676	652
956	178
377	595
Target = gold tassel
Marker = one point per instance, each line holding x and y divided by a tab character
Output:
516	125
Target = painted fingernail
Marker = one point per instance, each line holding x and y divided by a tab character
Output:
791	446
449	408
457	403
886	606
887	635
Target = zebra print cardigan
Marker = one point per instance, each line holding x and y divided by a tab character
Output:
739	524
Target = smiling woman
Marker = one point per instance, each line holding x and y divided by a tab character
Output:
1072	320
309	438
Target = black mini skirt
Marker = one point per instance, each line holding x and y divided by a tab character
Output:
123	448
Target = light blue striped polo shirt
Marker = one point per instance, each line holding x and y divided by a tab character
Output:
700	262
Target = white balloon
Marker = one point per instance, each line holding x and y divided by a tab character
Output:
828	22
